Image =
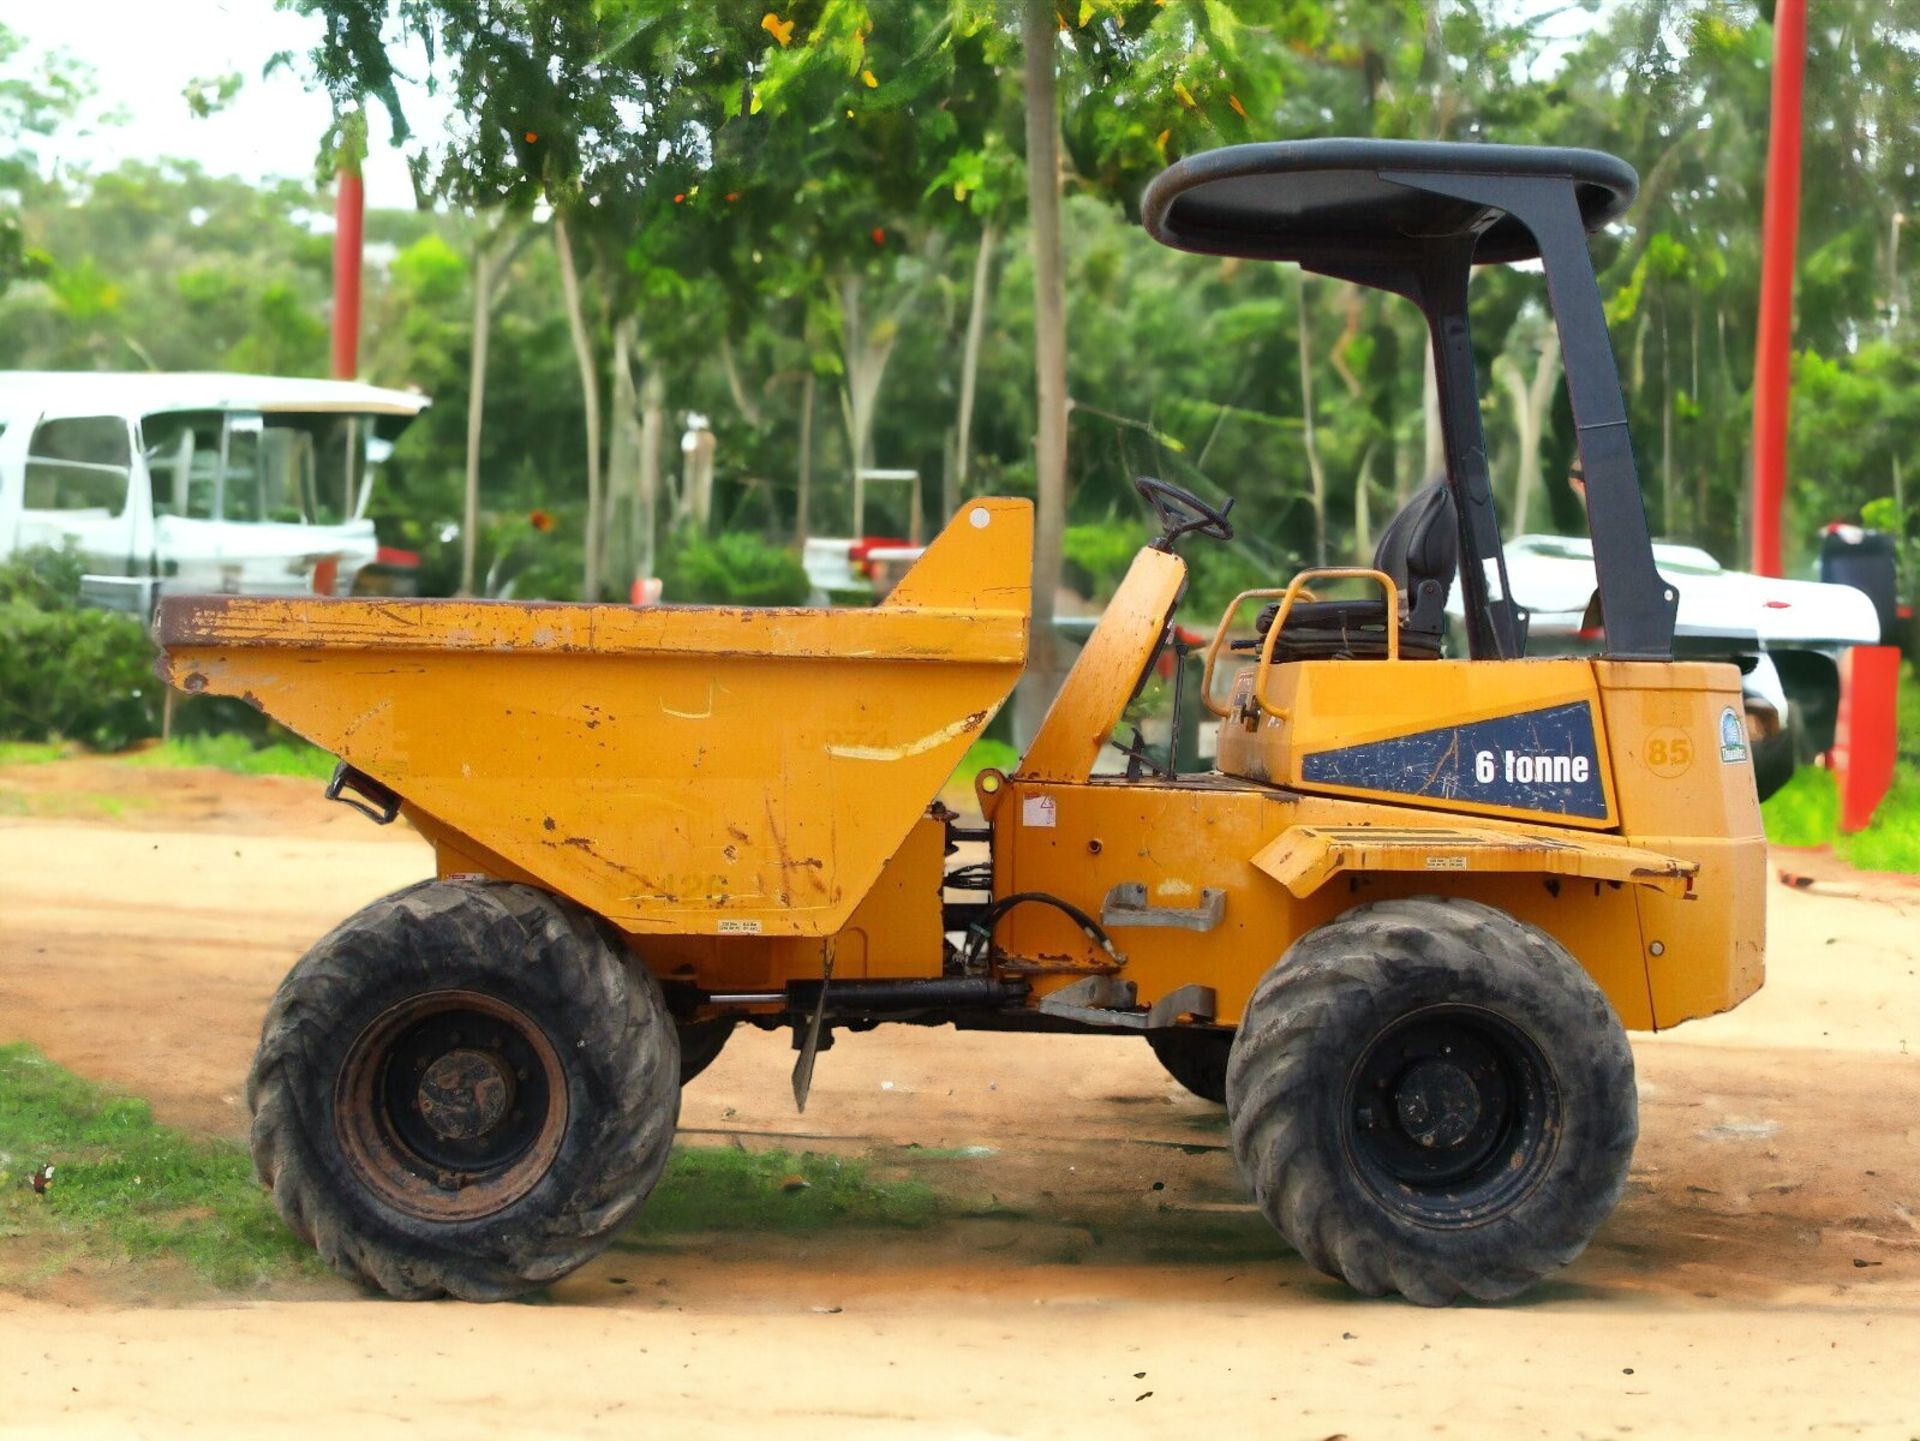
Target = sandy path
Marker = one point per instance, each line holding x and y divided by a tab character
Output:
1780	1151
1066	1364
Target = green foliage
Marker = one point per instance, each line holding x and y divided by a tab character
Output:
240	756
31	753
738	568
1885	515
809	184
124	1187
67	671
1099	553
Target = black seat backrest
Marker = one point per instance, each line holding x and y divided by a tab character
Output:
1422	543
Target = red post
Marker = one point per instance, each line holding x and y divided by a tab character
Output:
349	206
1865	739
1773	353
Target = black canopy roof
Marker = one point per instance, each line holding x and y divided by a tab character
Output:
1334	202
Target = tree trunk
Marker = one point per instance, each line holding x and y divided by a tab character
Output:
476	406
1667	527
623	463
748	407
1362	517
593	541
1433	461
1037	689
1316	472
653	424
970	370
804	499
1531	399
867	349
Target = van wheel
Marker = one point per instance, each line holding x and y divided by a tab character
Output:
1430	1097
1196	1058
463	1091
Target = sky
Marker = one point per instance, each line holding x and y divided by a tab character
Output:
144	54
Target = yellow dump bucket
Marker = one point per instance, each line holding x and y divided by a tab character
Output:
682	770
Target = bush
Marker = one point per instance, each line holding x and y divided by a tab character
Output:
66	671
1097	555
738	568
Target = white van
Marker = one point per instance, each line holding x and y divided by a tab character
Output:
195	483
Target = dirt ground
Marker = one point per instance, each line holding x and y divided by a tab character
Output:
1762	1277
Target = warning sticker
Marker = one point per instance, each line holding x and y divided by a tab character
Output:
739	927
1037	812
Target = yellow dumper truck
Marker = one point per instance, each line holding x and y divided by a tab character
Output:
1401	929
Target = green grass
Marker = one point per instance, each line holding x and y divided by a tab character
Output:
238	755
718	1188
125	1187
32	753
1806	810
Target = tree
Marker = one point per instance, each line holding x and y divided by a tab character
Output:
34	104
1049	358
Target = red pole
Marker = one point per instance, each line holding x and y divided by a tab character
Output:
349	206
1773	353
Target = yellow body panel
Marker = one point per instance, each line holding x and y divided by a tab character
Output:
687	771
1304	858
1180	838
1681	792
1333	706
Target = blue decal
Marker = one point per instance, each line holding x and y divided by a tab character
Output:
1539	760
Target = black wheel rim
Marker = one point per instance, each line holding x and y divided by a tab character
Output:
451	1105
1452	1115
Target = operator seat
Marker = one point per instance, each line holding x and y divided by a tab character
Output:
1420	550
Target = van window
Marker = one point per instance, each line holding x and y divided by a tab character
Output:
183	457
80	463
286	467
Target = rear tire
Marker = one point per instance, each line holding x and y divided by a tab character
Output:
700	1045
462	1090
1196	1058
1430	1097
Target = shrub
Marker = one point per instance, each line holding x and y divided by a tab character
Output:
1098	554
738	568
66	671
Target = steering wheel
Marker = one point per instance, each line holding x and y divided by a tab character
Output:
1182	512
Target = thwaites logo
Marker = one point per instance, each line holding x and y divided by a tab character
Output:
1538	760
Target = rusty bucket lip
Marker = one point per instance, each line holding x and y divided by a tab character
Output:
397	1177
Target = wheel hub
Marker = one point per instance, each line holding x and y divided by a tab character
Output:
451	1105
1451	1114
464	1094
1438	1104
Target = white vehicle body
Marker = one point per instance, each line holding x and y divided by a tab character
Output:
1553	579
1787	636
194	483
855	570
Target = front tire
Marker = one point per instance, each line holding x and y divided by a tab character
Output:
462	1090
1430	1097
